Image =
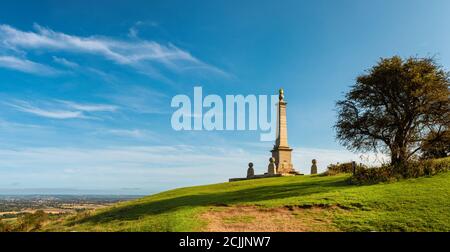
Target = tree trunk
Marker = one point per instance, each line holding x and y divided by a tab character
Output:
399	158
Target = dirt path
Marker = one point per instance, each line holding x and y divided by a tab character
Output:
257	219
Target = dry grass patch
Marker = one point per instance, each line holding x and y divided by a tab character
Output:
261	219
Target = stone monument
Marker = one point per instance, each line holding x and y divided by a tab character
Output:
271	169
250	170
280	162
314	167
281	151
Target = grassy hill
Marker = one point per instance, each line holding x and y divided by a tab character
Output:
302	203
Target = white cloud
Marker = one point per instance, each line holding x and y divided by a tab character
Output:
7	125
65	62
132	133
302	157
140	99
61	109
90	107
26	66
139	54
49	113
133	32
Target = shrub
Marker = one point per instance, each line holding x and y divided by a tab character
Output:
413	169
5	227
373	175
426	168
334	169
31	221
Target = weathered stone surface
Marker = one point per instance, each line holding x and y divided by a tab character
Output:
281	151
250	170
271	169
314	167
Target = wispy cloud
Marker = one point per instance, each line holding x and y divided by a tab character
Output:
140	99
304	156
133	32
61	109
26	66
133	133
143	55
65	62
17	126
49	113
90	107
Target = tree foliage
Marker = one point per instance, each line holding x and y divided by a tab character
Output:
436	146
394	107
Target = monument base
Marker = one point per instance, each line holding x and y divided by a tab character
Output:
266	175
282	155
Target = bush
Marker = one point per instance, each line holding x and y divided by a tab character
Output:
426	168
31	221
334	169
388	173
375	175
5	227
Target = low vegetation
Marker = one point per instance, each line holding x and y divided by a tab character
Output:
362	174
338	168
298	203
25	222
412	169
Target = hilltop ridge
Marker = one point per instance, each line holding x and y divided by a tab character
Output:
300	203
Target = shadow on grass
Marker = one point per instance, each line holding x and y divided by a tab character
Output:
139	210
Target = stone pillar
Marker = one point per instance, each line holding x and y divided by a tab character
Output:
281	151
282	140
314	167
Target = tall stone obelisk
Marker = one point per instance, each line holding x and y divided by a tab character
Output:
281	151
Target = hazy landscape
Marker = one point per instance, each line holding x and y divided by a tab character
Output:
14	206
330	201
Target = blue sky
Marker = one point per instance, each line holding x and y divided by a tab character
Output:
85	86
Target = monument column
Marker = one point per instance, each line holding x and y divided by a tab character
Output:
281	151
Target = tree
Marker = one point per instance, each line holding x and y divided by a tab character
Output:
436	147
394	106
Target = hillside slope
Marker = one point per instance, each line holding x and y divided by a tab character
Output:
302	203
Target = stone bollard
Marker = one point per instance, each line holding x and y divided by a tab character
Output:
250	171
314	167
272	168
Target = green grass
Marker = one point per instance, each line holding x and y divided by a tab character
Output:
421	204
